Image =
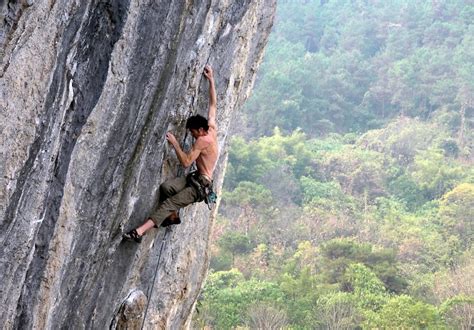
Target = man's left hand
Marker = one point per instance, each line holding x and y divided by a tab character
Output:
171	138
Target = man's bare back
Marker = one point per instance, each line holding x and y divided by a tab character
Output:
207	159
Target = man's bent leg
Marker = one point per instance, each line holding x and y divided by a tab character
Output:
171	187
167	189
185	197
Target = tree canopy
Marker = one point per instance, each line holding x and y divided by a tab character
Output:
347	201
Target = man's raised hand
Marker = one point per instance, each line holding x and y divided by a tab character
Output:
208	72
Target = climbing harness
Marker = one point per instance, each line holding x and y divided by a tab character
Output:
203	187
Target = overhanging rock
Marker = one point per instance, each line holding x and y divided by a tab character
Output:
88	91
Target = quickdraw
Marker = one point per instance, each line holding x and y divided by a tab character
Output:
211	196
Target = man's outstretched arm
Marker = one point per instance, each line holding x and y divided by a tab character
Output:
211	118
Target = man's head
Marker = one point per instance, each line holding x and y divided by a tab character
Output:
197	125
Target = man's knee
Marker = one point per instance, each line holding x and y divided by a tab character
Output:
166	188
167	205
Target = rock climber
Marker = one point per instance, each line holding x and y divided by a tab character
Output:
182	191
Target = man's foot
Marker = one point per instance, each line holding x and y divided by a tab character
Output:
172	219
132	235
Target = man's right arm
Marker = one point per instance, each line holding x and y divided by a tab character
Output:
211	118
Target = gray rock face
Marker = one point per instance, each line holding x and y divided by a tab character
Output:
88	91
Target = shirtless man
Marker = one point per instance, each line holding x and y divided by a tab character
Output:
180	192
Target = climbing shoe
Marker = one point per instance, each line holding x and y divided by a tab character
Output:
172	219
132	235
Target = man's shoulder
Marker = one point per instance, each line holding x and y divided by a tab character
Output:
212	124
202	141
212	132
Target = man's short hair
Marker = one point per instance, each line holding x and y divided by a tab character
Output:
196	122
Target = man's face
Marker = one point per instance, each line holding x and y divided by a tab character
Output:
195	133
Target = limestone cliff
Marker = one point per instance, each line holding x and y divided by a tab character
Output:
88	91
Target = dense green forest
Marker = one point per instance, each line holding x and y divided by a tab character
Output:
348	199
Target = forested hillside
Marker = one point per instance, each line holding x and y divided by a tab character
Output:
348	199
